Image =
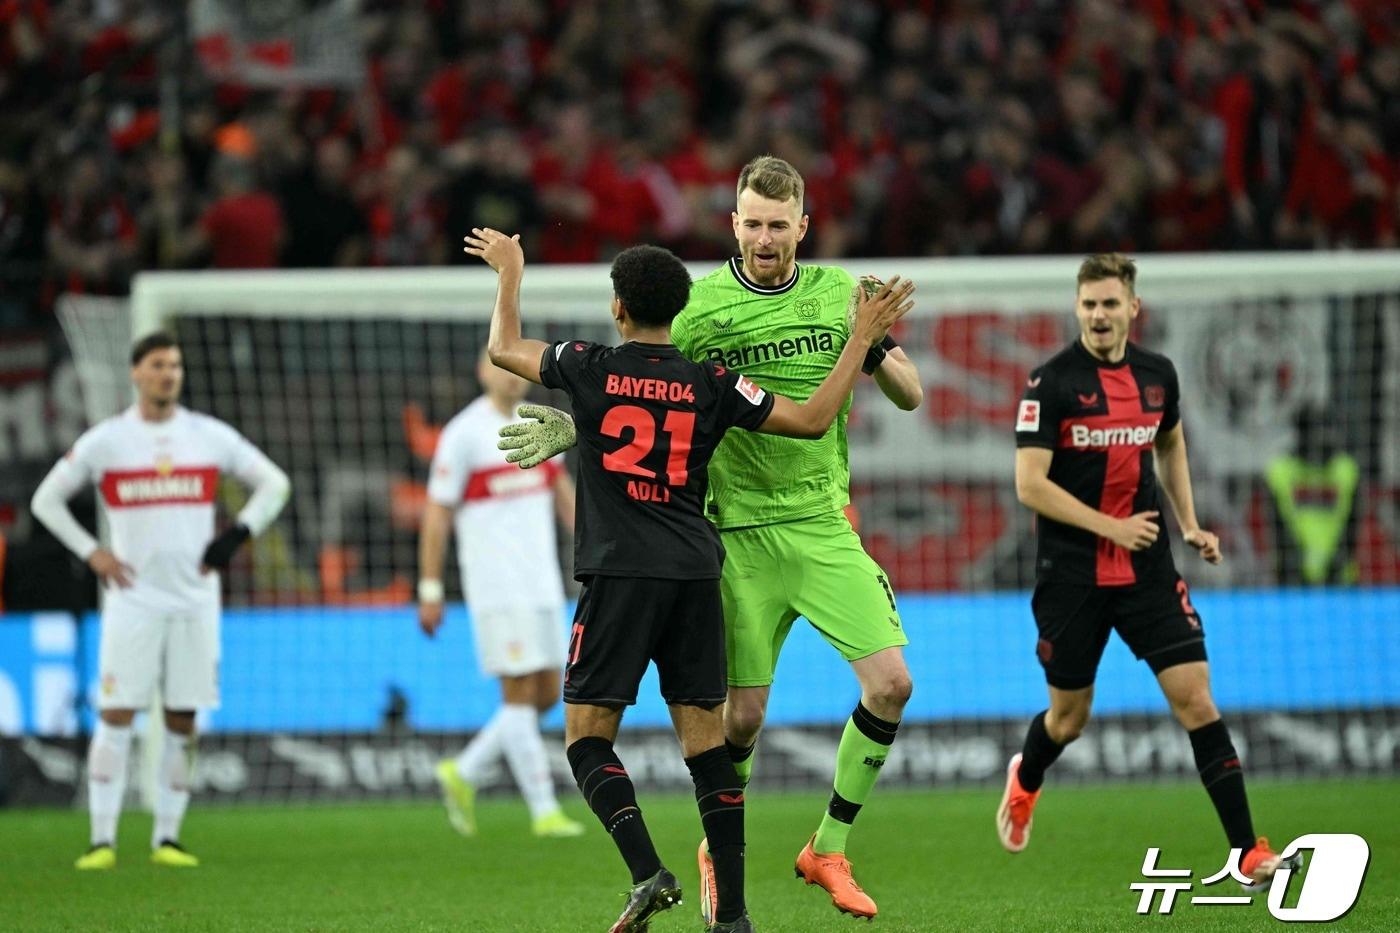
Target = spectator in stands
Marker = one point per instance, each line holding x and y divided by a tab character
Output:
1084	120
1266	111
1015	201
1382	78
705	169
492	188
91	234
1189	209
325	227
21	243
1343	187
578	184
1116	213
1241	116
405	219
170	210
242	228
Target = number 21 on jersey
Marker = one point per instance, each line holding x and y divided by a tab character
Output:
679	427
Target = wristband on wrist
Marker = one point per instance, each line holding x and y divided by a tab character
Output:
430	591
876	354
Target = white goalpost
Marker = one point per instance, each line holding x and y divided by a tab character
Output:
344	377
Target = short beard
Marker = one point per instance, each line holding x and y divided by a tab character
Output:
777	278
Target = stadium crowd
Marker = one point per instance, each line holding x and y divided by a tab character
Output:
922	128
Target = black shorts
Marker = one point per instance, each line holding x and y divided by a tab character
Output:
1154	618
622	623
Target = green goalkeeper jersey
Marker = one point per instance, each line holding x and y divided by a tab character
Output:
786	339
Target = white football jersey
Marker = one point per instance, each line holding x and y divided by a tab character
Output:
506	544
156	481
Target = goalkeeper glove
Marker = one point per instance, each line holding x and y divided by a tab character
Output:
870	285
533	442
220	551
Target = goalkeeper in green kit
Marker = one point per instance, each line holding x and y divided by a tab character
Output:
779	505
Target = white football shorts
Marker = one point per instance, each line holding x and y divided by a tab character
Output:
512	642
142	649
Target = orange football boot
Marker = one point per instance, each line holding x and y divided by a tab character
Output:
1014	814
1260	863
832	871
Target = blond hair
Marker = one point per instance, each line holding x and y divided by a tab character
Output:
773	178
1102	266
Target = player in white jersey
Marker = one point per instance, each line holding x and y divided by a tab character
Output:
508	555
156	467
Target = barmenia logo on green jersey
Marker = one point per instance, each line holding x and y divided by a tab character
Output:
739	357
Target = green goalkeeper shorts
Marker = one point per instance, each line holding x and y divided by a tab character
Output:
816	568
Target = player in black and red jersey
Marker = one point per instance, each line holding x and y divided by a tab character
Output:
1092	423
648	421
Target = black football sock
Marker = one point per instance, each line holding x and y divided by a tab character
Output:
720	797
611	796
1037	754
1219	766
742	756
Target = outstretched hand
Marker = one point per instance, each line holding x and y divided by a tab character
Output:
877	312
549	433
502	253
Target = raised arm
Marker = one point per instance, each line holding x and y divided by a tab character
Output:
875	315
898	378
894	372
1169	452
505	346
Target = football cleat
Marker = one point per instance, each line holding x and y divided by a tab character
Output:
556	826
742	925
1261	863
709	894
659	892
458	796
1014	813
832	871
172	855
100	857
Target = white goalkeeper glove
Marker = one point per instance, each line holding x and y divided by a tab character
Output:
530	443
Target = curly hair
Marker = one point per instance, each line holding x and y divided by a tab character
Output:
652	284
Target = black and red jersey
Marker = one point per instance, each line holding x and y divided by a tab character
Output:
1101	420
648	422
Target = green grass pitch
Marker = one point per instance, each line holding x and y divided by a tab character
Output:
930	859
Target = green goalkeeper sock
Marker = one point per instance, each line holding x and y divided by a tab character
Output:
864	744
743	760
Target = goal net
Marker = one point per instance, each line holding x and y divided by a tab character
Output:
1290	374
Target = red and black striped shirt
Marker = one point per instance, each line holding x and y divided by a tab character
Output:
1101	420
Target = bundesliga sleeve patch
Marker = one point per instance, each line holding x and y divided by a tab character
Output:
748	390
1028	415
